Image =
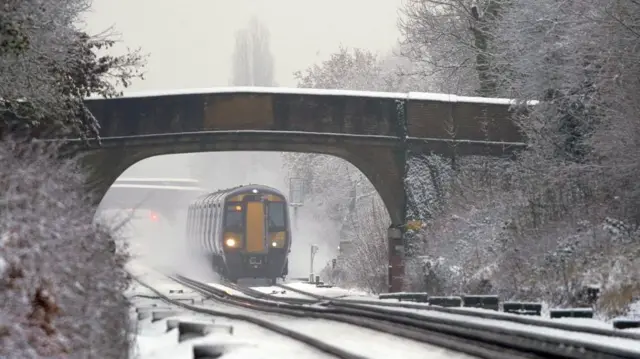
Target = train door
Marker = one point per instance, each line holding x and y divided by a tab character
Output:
255	227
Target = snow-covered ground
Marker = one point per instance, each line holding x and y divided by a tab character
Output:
614	342
333	292
253	342
249	339
246	341
342	293
280	292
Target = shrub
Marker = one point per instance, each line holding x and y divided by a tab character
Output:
61	282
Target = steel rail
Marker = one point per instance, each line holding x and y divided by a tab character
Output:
476	314
308	340
484	341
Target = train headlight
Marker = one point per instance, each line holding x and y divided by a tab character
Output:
274	244
231	242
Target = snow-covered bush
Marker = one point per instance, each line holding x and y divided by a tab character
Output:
61	282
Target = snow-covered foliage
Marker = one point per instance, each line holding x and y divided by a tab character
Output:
450	42
365	265
61	284
47	66
353	202
564	215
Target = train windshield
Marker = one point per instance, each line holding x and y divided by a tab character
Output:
276	212
233	216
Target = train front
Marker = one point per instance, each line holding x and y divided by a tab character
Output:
256	236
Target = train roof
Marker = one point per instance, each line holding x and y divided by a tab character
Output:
227	192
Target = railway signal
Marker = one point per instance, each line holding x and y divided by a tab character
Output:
296	197
314	250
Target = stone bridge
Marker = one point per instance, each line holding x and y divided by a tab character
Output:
375	131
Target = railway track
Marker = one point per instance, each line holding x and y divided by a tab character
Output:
538	322
481	340
310	341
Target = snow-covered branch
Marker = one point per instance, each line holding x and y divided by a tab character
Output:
61	284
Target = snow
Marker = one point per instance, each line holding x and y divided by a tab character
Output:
260	90
613	342
578	322
362	341
252	341
333	292
280	292
228	290
367	342
247	341
419	96
441	97
344	294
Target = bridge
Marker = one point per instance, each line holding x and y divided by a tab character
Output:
375	131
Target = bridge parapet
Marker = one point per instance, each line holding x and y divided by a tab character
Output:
437	116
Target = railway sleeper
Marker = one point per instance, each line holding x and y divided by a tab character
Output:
159	315
571	313
522	308
626	323
153	306
208	351
447	302
144	315
187	300
481	301
190	330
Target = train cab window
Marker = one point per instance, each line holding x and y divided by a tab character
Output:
233	216
276	212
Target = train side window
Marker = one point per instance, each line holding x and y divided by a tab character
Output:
212	219
218	219
276	215
201	216
207	221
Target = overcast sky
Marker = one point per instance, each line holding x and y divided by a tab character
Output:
190	41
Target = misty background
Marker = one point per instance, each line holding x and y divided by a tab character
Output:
205	43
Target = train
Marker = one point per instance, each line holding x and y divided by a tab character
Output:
244	232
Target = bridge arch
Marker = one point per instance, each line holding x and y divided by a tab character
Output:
373	131
381	162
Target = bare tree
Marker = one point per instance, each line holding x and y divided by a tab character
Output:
452	39
253	63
